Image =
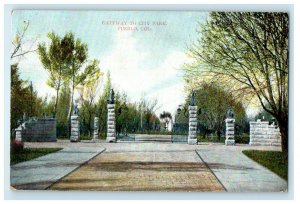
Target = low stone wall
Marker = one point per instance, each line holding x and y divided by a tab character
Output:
261	133
37	130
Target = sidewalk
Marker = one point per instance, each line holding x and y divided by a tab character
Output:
238	173
42	172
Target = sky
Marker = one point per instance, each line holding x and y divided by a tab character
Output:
144	51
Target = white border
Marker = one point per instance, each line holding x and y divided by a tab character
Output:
4	121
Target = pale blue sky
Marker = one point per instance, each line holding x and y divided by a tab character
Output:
140	62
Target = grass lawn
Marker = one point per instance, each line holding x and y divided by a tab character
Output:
30	153
273	160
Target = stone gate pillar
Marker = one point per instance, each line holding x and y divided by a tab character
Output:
75	129
75	125
229	131
111	126
96	127
18	131
192	138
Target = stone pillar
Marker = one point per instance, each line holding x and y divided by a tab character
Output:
192	138
111	126
75	129
229	131
18	131
96	126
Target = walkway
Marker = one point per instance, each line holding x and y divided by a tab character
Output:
40	173
238	173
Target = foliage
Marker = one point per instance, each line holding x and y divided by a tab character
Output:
78	73
242	139
16	146
18	43
166	117
30	153
62	122
273	160
56	60
101	109
88	93
212	138
264	115
247	52
213	101
24	99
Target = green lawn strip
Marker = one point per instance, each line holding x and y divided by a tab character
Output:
273	160
30	153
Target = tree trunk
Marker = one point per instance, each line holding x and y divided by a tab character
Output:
56	100
283	127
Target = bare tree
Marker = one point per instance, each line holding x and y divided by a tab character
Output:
18	43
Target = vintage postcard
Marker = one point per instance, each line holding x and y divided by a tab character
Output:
149	101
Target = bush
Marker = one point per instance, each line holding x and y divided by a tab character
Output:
16	146
212	138
242	139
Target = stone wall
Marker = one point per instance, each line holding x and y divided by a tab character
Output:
37	130
261	133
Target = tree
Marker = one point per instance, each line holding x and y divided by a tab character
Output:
24	98
213	102
77	73
88	92
56	59
18	42
62	122
247	52
101	110
166	117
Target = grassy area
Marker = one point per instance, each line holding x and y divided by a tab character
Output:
273	160
30	153
213	139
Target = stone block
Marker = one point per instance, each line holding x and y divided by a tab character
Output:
110	105
229	120
192	128
74	139
193	120
192	141
111	134
110	139
229	142
228	132
110	127
74	117
111	115
112	122
111	119
193	115
193	108
111	130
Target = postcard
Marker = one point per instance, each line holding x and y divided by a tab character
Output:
158	101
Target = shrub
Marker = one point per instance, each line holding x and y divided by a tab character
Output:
242	139
16	146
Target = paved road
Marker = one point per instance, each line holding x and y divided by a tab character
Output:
40	173
142	171
146	166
